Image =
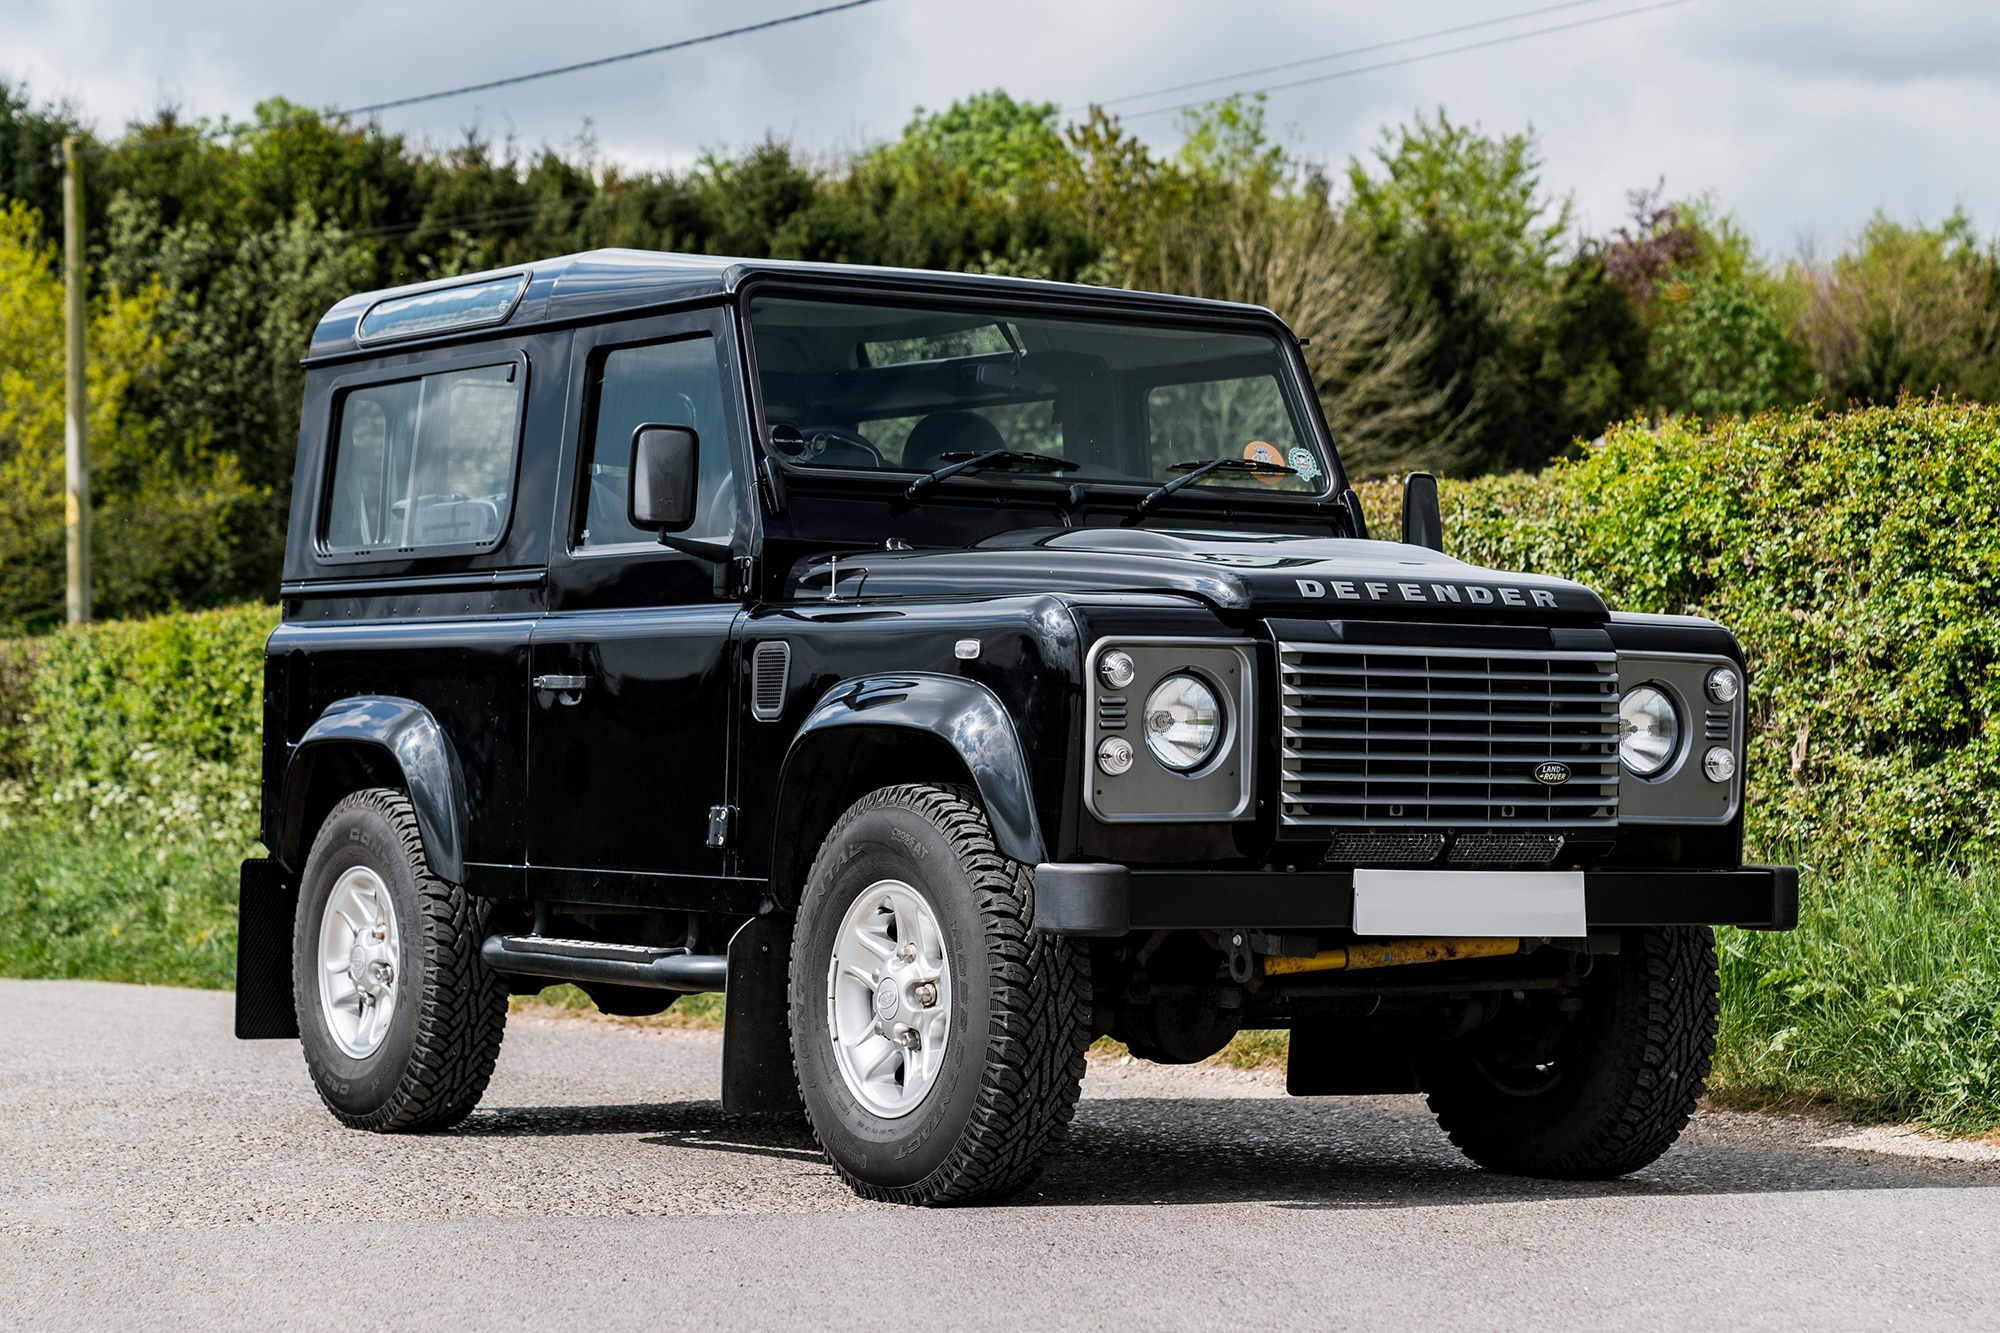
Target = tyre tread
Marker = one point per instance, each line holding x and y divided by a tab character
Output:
1040	1018
462	1006
1665	1060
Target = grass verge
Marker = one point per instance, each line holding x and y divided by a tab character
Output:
1885	1003
110	906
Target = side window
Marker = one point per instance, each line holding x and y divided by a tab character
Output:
670	384
424	462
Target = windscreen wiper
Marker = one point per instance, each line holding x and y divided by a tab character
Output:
1198	469
991	458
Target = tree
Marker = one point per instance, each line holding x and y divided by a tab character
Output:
1531	348
1911	309
163	510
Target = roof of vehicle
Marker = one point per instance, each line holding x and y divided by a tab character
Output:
595	283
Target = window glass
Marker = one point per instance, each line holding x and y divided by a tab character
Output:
665	384
452	308
424	462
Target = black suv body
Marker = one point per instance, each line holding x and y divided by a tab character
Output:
951	669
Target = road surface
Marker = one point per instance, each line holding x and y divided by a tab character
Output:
154	1172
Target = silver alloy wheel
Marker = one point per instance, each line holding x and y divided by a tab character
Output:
359	962
888	998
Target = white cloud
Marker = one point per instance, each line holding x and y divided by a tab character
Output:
1802	118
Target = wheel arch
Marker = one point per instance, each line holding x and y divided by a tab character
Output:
876	731
377	741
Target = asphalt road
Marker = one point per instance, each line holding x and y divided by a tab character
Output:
154	1172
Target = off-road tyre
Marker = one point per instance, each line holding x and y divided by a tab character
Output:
1020	1020
445	1031
1620	1082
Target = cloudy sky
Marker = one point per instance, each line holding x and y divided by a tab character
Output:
1802	118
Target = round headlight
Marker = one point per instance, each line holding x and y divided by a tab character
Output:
1182	723
1722	685
1649	731
1116	670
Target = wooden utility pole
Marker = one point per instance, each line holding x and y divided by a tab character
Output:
76	450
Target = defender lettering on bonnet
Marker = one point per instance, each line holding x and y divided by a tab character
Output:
1439	592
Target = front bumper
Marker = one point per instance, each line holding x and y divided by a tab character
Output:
1090	898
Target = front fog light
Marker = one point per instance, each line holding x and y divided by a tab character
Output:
1649	731
1719	764
1182	722
1114	755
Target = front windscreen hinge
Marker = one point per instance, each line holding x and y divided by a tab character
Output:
742	577
721	825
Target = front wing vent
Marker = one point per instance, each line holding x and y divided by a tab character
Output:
1447	738
770	672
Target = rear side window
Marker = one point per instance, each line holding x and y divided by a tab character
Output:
426	462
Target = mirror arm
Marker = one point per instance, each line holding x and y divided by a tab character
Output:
709	551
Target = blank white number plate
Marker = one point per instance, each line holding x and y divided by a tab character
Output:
1469	902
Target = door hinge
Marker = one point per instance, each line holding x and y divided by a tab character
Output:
721	825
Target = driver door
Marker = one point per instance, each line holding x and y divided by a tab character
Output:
630	726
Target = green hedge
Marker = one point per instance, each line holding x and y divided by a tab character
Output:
155	724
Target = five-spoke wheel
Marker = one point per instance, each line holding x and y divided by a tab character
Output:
888	998
359	952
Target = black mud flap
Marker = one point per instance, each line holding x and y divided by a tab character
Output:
1349	1058
757	1073
266	900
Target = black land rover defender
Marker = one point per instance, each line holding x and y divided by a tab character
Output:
950	670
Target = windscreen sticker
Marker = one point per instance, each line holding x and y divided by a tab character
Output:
1257	451
1305	464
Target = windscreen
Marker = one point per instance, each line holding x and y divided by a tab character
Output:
914	388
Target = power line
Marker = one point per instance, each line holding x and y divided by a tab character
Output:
148	145
607	60
1411	60
1341	55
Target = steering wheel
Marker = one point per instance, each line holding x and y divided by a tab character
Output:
827	446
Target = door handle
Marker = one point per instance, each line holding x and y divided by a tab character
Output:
567	689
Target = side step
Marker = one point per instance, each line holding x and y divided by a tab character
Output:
590	960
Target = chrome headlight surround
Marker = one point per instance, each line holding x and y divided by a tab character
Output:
1167	782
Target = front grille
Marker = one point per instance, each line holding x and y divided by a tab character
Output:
1495	849
1396	737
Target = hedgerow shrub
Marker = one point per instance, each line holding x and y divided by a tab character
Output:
154	725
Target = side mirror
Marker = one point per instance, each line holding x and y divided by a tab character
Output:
666	467
1423	524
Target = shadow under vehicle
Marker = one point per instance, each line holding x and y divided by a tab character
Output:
950	669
